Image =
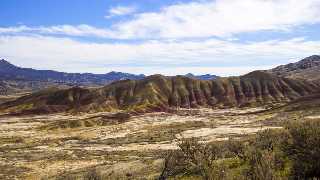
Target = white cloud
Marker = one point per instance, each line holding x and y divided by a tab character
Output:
221	18
121	11
79	30
14	29
167	57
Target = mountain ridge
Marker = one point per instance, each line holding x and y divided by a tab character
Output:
9	71
160	93
307	68
14	79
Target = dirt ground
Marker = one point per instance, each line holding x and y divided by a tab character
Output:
50	146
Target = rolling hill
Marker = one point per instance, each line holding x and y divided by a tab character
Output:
159	93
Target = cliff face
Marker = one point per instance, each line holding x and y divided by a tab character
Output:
158	93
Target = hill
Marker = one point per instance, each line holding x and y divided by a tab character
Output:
159	93
308	68
307	104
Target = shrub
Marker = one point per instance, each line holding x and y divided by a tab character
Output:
303	148
174	164
204	157
196	158
290	153
261	164
264	157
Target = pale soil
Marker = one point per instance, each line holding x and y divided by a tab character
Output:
313	117
29	152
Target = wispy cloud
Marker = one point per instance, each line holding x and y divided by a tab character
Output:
68	30
120	11
17	29
208	56
219	18
80	30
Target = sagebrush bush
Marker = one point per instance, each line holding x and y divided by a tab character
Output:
303	148
196	158
289	153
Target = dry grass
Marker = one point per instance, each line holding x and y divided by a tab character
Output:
62	144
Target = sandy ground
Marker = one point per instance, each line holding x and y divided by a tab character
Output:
31	151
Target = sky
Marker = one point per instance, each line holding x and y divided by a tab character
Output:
170	37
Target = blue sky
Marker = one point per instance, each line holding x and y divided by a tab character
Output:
73	12
223	37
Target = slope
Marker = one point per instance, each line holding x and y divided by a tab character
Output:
159	93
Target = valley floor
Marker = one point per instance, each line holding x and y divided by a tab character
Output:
59	145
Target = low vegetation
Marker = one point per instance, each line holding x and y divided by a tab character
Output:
291	153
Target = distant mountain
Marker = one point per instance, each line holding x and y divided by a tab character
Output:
308	69
202	77
159	93
9	71
13	78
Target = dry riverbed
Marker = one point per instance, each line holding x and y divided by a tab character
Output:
48	147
